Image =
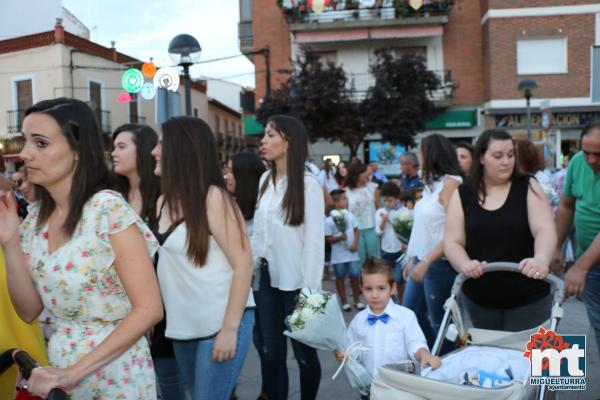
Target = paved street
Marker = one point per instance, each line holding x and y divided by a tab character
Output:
574	322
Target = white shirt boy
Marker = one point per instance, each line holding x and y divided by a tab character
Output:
340	251
389	240
397	340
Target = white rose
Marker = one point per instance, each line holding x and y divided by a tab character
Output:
315	300
307	313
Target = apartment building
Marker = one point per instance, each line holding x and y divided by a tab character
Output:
552	42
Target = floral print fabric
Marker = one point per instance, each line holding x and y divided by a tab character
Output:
80	287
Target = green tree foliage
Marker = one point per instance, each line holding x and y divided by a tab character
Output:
399	104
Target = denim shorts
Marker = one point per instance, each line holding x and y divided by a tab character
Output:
350	268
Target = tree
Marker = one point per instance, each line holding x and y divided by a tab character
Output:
318	95
399	104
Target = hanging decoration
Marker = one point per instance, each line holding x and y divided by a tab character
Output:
318	5
167	78
132	80
148	69
124	97
415	4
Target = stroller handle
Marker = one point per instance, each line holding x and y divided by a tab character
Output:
556	283
27	364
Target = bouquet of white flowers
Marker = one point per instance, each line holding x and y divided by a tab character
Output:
339	219
317	322
402	222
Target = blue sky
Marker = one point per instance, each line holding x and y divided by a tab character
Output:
143	29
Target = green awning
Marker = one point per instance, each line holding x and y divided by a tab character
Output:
252	127
454	119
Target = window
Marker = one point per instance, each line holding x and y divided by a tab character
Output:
24	94
542	56
217	124
246	10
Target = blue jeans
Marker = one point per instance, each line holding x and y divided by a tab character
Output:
207	379
273	306
396	267
350	268
429	298
591	298
169	379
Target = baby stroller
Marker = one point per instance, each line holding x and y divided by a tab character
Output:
391	383
26	365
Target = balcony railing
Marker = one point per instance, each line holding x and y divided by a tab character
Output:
350	11
14	120
245	33
361	82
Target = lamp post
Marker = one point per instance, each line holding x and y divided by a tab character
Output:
184	50
527	86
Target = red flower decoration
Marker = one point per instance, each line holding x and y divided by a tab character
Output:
545	339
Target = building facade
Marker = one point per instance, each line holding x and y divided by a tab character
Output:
481	50
554	43
58	63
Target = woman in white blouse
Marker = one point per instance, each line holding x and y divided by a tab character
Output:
204	262
288	245
431	275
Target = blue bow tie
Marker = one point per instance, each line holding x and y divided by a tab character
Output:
372	318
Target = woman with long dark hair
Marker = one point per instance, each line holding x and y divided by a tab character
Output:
289	227
431	276
246	169
204	262
84	254
499	214
134	167
341	174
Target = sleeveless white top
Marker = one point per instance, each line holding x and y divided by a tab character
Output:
195	298
429	220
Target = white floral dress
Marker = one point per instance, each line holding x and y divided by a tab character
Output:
80	287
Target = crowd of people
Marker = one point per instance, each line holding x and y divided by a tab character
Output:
94	249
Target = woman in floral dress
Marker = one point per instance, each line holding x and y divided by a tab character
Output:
84	254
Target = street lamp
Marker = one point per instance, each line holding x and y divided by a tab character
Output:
527	86
184	51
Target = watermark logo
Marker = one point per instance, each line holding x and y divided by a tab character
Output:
556	361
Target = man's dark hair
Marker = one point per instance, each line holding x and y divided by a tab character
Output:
337	194
590	126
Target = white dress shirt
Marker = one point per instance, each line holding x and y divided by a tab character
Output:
389	240
398	340
340	251
296	254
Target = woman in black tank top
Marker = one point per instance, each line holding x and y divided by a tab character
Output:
501	215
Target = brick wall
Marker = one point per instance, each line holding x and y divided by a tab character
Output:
463	53
270	29
500	58
534	3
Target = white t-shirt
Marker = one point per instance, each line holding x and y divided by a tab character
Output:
389	240
429	219
361	203
328	181
340	251
398	340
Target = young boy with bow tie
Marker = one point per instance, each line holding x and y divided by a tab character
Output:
390	332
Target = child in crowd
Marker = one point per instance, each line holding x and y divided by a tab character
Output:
391	246
390	332
408	198
341	231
